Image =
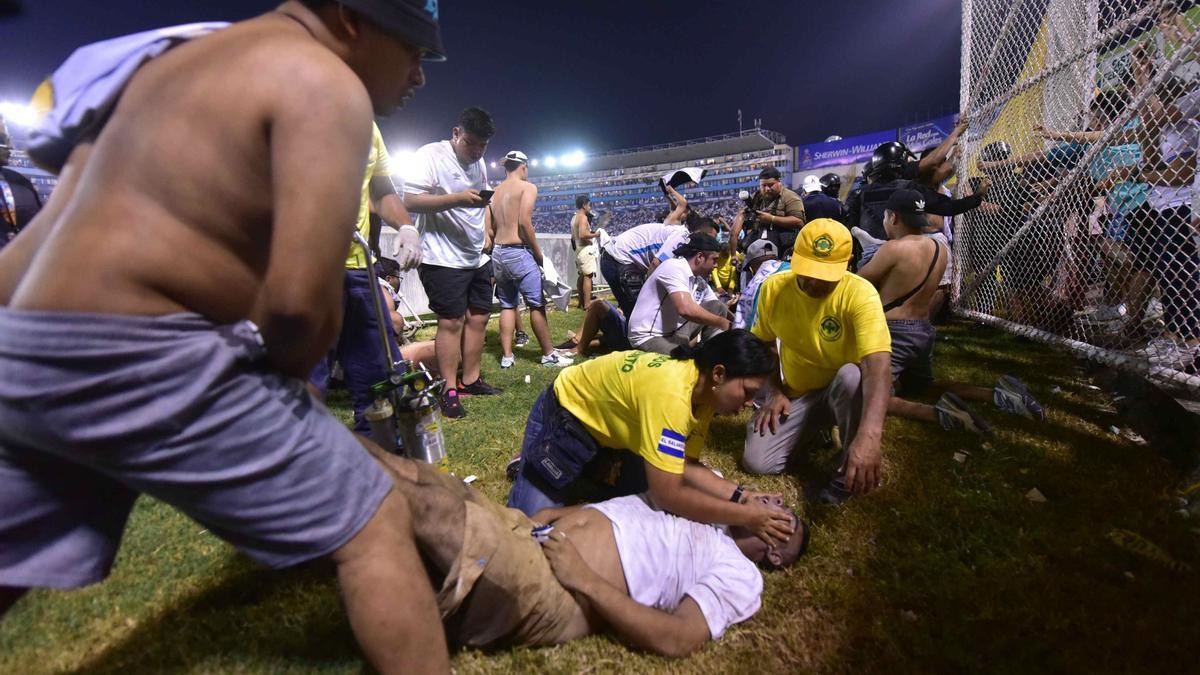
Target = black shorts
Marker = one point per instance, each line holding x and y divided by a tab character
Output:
451	290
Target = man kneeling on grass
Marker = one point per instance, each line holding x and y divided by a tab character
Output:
908	269
658	582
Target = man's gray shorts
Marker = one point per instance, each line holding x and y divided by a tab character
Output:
912	355
665	344
815	411
95	409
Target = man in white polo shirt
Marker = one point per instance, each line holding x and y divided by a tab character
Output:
443	191
628	258
676	303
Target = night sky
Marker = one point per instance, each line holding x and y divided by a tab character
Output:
603	75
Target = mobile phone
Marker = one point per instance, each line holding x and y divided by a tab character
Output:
486	194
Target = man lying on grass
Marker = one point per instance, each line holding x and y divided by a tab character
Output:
656	581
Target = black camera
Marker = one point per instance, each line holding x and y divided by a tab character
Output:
753	203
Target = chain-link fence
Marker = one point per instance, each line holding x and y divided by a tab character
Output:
1083	137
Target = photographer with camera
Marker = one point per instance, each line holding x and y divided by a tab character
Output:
773	212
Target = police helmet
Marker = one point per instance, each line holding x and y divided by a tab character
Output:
831	184
889	158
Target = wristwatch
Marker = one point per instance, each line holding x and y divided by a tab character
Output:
736	498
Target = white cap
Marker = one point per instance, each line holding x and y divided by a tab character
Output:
516	156
812	184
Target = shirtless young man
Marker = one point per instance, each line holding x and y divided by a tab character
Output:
586	259
517	260
180	374
907	270
657	582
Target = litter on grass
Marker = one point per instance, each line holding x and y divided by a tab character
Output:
1138	545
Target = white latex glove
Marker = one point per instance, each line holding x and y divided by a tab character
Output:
406	250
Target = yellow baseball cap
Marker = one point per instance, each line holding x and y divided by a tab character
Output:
823	250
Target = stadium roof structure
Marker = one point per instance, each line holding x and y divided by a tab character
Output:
750	140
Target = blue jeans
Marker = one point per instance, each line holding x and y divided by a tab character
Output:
531	493
625	281
357	347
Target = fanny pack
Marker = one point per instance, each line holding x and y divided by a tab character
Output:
564	446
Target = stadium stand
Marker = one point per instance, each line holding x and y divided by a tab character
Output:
624	183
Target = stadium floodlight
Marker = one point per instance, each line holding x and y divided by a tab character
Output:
551	162
572	158
493	165
18	114
533	162
404	163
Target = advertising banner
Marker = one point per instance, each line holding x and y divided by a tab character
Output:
840	153
929	134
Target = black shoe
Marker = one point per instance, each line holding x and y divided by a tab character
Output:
480	388
451	406
522	338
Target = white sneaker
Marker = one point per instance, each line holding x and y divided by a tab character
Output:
1156	348
556	360
507	361
1176	355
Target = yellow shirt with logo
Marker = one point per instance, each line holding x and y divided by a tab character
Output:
819	335
640	402
379	164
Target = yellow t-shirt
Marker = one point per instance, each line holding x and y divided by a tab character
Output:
725	273
378	164
819	335
640	402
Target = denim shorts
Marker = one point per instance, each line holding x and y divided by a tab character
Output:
517	276
912	354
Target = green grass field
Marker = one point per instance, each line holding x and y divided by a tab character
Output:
948	568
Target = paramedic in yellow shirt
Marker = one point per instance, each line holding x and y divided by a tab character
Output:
835	352
633	422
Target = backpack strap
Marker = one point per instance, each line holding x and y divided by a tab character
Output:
937	251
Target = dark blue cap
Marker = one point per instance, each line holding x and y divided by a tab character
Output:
413	21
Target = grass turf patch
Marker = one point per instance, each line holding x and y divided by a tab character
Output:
948	567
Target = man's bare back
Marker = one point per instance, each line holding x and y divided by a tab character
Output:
508	208
905	262
202	189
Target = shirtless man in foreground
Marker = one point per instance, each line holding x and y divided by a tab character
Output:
180	372
907	270
657	582
517	260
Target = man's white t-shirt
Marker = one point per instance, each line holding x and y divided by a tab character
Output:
1178	140
666	557
639	245
451	238
654	315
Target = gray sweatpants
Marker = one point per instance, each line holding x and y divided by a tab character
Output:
841	402
686	333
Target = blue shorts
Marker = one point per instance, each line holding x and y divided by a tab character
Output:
517	276
95	409
614	330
